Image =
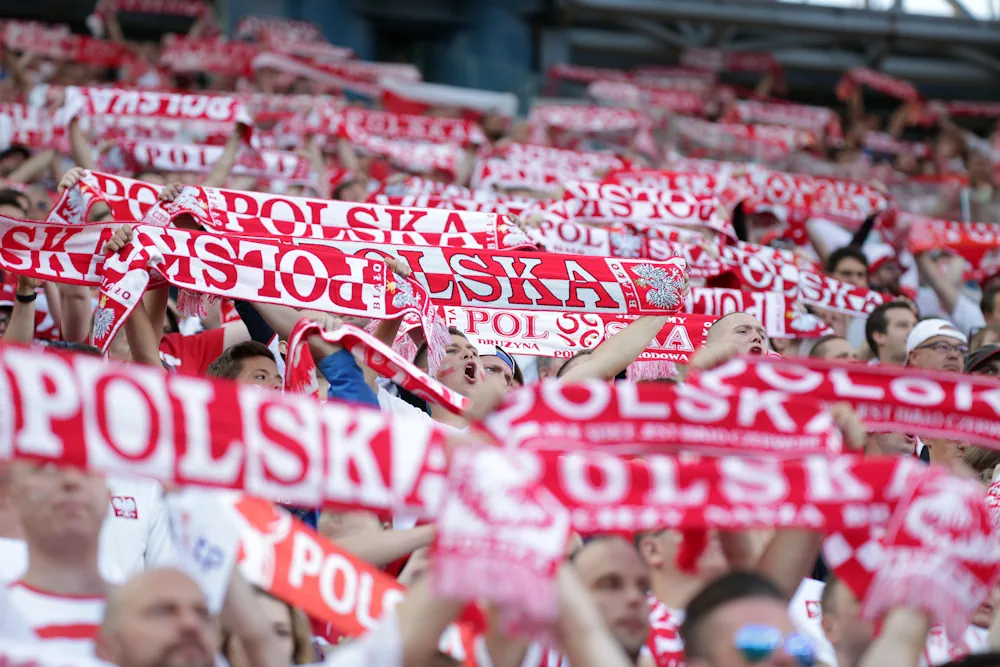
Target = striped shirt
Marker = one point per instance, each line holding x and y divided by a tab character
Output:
67	622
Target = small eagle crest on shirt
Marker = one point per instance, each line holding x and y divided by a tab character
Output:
124	507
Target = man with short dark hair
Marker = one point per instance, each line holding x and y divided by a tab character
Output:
14	204
984	361
886	331
618	581
833	347
248	362
848	265
741	619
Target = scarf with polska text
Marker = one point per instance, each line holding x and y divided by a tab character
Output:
300	369
561	158
635	419
342	455
562	335
930	404
285	557
473	278
679	209
262	214
184	157
219	109
259	270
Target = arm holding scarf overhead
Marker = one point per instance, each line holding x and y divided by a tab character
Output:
901	641
615	354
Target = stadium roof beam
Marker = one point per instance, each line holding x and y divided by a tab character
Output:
658	32
838	21
912	68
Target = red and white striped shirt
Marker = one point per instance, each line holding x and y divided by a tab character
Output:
67	622
665	634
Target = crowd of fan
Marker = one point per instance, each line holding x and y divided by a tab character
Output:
90	561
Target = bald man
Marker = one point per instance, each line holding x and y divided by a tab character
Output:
160	618
743	330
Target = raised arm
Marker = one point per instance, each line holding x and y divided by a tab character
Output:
616	353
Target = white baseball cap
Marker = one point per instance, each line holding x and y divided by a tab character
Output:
928	329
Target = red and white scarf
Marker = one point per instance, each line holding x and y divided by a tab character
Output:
905	400
262	214
222	110
194	158
69	410
59	44
820	121
564	334
630	419
941	553
263	28
208	54
300	369
976	242
717	60
676	100
883	83
355	123
252	269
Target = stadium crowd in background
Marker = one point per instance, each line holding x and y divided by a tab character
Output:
307	360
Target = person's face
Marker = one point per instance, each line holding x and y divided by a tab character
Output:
838	349
498	374
745	332
989	368
659	550
461	370
850	270
260	371
843	625
946	453
984	614
899	323
619	584
885	278
942	353
889	444
729	619
167	624
11	211
550	370
59	505
980	169
355	191
279	617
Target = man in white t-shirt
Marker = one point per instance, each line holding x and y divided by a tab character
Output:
62	593
136	534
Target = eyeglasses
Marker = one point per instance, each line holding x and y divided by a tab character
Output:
945	348
759	642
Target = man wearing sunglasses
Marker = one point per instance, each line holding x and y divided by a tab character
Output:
936	345
741	619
